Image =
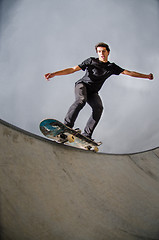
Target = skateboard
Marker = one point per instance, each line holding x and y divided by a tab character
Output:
61	133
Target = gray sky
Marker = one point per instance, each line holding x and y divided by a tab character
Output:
39	36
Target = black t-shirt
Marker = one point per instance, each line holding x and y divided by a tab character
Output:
97	72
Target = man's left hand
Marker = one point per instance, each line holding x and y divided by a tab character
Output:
151	76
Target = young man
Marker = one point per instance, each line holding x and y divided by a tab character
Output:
87	88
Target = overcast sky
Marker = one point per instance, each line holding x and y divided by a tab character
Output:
39	36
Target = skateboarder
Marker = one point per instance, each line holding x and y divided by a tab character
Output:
87	88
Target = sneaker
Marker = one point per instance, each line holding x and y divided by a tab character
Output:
68	125
78	130
87	136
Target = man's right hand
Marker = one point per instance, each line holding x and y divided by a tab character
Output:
48	76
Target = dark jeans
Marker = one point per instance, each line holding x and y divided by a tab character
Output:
83	96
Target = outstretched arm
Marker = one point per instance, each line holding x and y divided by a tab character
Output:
62	72
138	75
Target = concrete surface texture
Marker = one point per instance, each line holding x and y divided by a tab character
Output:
54	192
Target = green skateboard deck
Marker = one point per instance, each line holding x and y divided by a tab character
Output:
61	133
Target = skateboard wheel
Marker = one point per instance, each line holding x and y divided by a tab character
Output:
96	149
70	138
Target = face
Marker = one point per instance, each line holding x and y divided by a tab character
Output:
102	54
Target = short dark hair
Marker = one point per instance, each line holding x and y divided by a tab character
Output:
102	44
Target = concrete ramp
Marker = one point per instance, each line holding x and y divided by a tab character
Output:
53	192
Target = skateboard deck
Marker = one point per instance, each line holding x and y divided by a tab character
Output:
59	132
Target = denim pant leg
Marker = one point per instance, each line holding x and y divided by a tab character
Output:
95	102
80	101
